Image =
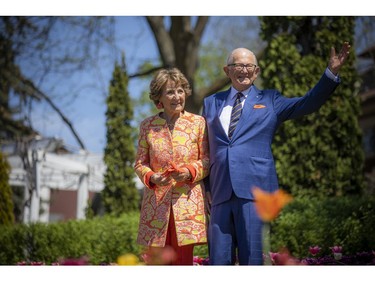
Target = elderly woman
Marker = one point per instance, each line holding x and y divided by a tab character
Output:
172	159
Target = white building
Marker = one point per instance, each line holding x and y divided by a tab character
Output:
58	182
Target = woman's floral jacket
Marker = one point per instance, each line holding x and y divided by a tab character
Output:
185	146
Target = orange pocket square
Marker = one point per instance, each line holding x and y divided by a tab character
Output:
259	106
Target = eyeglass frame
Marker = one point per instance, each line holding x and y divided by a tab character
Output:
248	66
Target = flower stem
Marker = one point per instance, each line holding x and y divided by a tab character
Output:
266	243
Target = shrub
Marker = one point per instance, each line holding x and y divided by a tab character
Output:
102	240
6	203
346	221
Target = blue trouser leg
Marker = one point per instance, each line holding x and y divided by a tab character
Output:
235	228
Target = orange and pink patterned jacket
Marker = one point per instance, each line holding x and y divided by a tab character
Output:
186	146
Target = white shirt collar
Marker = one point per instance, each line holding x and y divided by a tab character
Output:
233	93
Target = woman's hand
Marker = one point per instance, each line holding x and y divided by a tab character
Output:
182	174
160	179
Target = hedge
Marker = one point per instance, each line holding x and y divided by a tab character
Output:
100	239
348	222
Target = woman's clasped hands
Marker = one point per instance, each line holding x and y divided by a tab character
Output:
172	173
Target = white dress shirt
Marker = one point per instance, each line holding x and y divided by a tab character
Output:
227	109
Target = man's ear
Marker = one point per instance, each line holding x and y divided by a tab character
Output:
257	69
226	70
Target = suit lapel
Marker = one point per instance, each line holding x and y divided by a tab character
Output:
220	102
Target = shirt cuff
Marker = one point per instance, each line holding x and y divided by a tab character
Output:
332	76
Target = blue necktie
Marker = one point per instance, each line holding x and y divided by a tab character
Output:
235	116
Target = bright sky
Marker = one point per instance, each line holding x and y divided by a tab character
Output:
190	7
81	95
87	113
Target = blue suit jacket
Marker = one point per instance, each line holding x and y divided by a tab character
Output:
246	160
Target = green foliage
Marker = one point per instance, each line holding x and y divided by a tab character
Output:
6	203
101	240
120	193
211	62
143	105
12	244
10	127
347	221
201	251
320	154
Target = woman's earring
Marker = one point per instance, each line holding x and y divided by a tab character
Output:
159	105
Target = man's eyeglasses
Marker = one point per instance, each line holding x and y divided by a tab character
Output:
240	66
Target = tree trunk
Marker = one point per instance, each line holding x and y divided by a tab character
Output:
179	47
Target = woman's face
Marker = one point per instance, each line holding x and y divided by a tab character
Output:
173	98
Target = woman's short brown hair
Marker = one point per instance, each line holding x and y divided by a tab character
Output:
161	78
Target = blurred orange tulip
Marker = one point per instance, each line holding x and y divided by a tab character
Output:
159	256
269	205
284	258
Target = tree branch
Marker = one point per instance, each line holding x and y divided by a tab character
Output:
163	40
146	72
59	112
28	85
200	26
216	86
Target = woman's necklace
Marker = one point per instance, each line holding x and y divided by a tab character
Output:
170	123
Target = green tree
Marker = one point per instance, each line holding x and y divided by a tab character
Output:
320	154
120	193
6	203
10	126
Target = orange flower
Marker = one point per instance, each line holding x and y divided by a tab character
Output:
159	256
284	258
269	205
